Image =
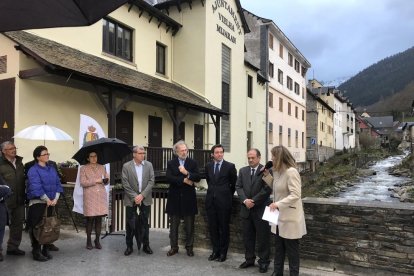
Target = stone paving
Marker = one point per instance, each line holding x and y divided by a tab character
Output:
74	259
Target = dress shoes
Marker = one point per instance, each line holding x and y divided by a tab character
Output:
128	251
172	252
53	247
213	256
190	252
16	252
246	265
263	268
147	249
221	258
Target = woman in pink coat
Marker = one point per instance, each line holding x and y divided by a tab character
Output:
93	179
291	226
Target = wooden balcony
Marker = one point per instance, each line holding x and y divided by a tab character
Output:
159	158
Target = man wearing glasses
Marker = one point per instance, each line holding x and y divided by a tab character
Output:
138	180
12	171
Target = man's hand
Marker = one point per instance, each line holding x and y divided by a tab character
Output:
183	170
249	203
48	202
188	182
138	199
54	202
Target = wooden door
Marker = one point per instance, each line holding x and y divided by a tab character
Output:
125	126
198	136
154	131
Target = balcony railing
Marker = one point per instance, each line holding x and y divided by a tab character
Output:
159	158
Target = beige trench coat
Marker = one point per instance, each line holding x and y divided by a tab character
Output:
287	195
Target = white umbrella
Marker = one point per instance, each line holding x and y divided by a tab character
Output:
43	132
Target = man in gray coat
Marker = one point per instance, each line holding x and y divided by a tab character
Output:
254	197
137	180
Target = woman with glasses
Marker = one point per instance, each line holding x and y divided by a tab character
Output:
93	179
43	191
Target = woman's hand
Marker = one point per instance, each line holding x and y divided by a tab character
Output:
265	172
98	181
273	206
54	202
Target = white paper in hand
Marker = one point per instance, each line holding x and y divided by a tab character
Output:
271	216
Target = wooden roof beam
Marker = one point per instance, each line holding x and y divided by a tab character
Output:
34	72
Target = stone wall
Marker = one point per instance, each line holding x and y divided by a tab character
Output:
369	235
65	211
366	234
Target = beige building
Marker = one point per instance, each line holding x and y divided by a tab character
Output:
285	68
149	75
319	129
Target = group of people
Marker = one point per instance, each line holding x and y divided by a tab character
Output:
42	191
254	185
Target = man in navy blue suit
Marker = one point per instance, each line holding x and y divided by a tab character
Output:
221	178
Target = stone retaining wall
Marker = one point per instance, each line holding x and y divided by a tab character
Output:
365	234
370	235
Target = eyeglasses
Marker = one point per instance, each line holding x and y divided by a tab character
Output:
93	156
44	154
14	148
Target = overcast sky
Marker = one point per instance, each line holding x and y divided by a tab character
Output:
341	37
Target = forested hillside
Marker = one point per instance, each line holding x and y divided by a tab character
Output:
382	80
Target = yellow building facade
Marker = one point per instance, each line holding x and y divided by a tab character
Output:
173	73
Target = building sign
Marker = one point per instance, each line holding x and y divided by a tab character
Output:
225	11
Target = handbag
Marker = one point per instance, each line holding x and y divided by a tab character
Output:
48	229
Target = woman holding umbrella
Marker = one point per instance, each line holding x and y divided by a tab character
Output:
93	178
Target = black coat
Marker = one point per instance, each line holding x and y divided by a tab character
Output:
256	189
182	199
221	189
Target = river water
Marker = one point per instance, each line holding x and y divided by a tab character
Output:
375	187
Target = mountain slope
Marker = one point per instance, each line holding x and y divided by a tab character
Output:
381	80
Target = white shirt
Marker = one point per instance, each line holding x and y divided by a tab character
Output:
138	170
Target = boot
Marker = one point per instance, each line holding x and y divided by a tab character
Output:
89	223
98	226
37	255
46	253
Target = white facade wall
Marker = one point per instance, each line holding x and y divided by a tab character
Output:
338	119
279	90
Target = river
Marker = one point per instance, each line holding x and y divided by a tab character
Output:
375	187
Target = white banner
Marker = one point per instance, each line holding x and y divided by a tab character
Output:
89	130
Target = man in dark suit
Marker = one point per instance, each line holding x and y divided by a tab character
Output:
221	178
137	181
182	173
254	197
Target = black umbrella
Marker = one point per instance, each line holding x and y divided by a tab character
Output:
18	15
108	150
136	223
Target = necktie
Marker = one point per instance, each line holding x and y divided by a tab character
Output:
217	170
252	175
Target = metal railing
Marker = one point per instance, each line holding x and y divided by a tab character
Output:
159	219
